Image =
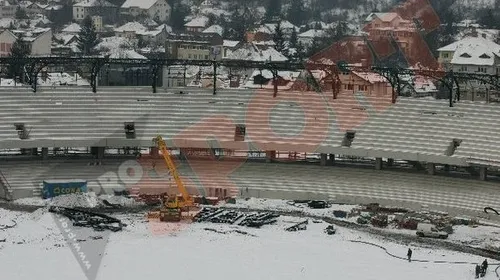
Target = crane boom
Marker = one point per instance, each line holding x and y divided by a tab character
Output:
160	143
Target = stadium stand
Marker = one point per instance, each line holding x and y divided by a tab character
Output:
419	130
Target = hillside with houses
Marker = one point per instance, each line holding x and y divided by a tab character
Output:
289	30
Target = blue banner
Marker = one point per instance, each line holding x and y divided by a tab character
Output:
55	188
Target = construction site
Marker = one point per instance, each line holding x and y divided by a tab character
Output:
179	166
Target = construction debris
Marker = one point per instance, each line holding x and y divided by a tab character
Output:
221	216
4	227
318	204
330	230
299	226
230	231
82	218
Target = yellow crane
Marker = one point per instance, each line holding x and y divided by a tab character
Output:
173	207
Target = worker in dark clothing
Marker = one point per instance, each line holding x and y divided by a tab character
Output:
485	266
478	270
409	254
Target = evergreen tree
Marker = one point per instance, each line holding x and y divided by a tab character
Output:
273	9
21	13
279	40
179	13
87	38
296	13
241	20
19	51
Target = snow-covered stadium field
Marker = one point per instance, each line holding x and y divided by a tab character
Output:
36	249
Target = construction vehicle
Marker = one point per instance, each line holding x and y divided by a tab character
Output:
173	206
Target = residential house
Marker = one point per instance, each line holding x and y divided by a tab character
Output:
198	24
259	34
266	31
35	8
158	10
472	55
252	52
7	10
307	38
129	30
103	8
155	36
364	82
38	41
385	28
214	29
65	44
228	47
197	46
73	28
136	32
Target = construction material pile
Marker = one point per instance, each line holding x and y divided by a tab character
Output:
233	217
82	218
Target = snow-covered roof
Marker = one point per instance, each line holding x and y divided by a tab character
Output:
123	53
285	25
141	4
370	77
230	44
215	29
473	51
72	28
6	22
200	21
251	52
132	26
4	3
66	38
386	17
113	43
263	29
24	4
312	33
94	3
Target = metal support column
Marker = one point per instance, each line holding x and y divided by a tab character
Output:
215	77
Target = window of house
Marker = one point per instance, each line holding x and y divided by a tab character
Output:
362	88
466	55
206	56
189	55
445	55
350	87
463	69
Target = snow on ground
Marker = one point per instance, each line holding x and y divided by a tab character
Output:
87	200
36	249
283	205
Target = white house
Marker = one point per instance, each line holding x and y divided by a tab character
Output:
7	10
214	29
307	38
94	8
197	24
38	41
471	54
158	10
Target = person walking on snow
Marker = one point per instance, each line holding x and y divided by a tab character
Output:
409	254
485	266
478	271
